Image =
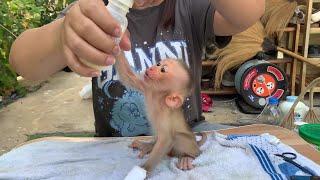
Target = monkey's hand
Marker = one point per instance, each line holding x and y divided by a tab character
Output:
144	147
185	163
127	76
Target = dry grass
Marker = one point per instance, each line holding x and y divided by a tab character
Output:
243	47
277	16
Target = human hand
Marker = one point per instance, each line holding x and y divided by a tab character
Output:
87	37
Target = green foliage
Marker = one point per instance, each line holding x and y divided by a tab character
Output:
8	82
17	16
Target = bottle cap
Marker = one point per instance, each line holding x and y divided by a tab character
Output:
273	101
291	98
128	3
125	5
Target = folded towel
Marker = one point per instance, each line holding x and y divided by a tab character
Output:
265	147
223	157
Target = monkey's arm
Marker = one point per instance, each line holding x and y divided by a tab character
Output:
126	75
161	148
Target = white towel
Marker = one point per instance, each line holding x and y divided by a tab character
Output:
113	159
137	173
265	147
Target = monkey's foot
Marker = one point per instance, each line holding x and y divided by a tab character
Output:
185	163
144	147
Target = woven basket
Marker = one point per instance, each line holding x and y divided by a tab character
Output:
311	117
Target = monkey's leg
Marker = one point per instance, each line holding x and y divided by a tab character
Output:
186	149
185	163
144	147
160	149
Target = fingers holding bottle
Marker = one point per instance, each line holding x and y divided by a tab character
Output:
88	35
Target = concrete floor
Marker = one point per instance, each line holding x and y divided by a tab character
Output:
57	107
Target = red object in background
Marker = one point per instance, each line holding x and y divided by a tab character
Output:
264	87
207	102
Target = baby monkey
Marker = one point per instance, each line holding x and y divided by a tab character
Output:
165	87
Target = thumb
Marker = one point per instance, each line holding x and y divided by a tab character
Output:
125	43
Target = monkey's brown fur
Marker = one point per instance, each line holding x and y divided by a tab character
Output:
165	87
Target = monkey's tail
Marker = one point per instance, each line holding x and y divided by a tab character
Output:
204	138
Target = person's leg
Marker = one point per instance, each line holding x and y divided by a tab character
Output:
207	126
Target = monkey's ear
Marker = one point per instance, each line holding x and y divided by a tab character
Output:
174	100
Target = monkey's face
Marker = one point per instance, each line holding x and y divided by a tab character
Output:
167	75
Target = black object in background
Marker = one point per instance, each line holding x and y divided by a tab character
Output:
246	108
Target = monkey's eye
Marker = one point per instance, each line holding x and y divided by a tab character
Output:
158	64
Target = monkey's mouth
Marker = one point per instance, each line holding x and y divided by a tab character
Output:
146	76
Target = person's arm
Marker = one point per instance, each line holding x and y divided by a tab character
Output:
87	32
234	16
35	54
